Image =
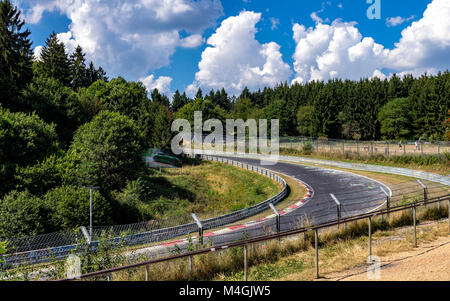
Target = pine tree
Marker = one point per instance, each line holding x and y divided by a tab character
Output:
199	94
78	69
177	101
15	47
54	60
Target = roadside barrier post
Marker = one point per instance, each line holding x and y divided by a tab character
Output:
278	219
339	208
316	245
370	239
388	201
415	227
245	262
190	266
147	272
200	229
425	194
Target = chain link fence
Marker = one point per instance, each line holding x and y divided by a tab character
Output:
48	247
388	148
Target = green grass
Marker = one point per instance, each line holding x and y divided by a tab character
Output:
432	163
207	187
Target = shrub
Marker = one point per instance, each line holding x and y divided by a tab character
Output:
22	214
70	207
54	171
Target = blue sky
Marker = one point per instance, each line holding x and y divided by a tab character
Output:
183	27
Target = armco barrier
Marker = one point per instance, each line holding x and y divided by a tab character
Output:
60	252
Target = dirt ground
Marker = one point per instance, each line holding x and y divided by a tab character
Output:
429	262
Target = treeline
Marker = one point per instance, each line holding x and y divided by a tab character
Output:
369	109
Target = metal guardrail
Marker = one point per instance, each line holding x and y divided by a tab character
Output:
53	250
245	243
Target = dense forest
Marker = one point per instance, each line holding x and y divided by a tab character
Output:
64	125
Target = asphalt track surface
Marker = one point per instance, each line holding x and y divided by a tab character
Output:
357	194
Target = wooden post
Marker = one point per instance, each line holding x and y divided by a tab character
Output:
245	263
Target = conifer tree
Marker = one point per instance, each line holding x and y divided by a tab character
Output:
78	69
54	60
15	47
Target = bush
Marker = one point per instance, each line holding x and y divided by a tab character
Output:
52	172
25	139
70	207
110	149
22	214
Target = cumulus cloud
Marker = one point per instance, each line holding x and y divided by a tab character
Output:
162	83
340	51
336	50
425	44
395	21
134	36
235	59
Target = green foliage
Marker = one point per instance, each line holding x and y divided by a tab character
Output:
56	170
209	111
244	109
70	207
53	61
54	103
395	119
25	139
304	118
110	149
22	214
15	49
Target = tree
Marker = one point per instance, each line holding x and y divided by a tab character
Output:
78	69
177	101
304	116
244	109
395	119
23	214
15	46
199	94
110	149
159	98
25	139
54	103
162	121
70	207
54	61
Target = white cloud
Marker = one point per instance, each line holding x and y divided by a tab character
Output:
162	83
336	50
130	37
275	22
395	21
425	44
340	51
235	59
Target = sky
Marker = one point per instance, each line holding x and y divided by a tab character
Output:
209	44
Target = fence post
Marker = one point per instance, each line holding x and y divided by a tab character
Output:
200	229
370	239
425	195
147	272
388	201
415	227
448	209
404	148
245	262
278	218
357	147
339	207
190	266
316	245
343	146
